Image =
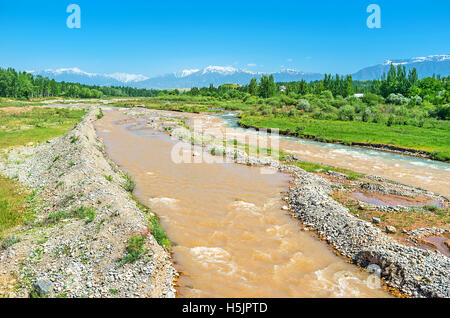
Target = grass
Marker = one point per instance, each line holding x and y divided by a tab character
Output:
433	140
12	205
85	213
100	114
81	212
158	233
129	184
317	167
36	125
9	241
155	227
135	249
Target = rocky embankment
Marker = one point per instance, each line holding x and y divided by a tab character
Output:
84	219
413	271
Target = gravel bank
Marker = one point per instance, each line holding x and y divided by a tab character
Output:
78	257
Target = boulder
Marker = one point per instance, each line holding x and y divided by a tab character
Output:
42	287
391	229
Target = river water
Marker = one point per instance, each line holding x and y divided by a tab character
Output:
423	173
230	236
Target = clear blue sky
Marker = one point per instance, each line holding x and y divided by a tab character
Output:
157	37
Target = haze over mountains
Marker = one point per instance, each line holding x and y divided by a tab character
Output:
217	75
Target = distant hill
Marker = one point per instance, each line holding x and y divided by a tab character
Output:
217	75
426	66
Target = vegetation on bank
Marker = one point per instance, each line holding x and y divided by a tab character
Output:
35	125
399	109
13	209
433	139
19	128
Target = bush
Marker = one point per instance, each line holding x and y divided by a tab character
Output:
129	184
347	113
365	114
415	100
372	99
158	233
135	249
100	114
303	104
397	99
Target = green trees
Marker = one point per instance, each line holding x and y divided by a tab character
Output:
25	85
253	87
267	87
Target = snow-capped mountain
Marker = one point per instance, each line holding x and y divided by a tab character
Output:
217	75
75	75
426	66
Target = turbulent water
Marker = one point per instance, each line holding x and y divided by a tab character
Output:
423	173
230	236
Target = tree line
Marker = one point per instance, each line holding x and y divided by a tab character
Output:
25	85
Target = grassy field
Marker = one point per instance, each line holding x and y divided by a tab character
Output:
19	128
434	140
35	125
12	201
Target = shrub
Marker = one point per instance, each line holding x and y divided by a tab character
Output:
372	99
158	233
365	115
73	139
100	114
346	112
129	184
397	99
415	100
303	104
135	249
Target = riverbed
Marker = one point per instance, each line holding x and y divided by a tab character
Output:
230	236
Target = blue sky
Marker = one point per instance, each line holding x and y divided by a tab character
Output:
158	37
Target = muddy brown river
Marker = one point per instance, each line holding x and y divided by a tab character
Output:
230	237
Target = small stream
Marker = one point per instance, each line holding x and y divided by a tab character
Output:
423	173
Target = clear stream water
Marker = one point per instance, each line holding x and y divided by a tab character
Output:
427	174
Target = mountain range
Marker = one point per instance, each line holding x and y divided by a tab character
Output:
217	75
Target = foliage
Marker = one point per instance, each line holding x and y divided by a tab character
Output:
129	184
36	125
135	249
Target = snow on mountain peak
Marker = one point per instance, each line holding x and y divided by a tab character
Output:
127	78
73	70
224	70
121	77
185	73
291	71
421	59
